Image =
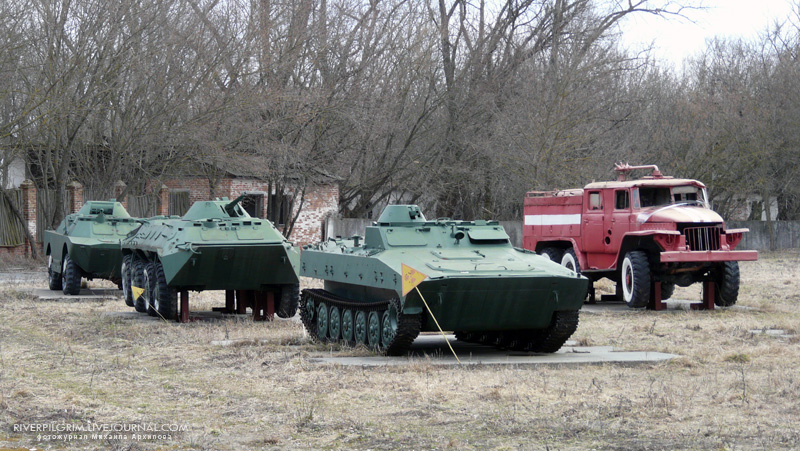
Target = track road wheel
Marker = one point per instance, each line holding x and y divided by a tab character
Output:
360	327
149	282
53	276
308	314
334	323
562	326
347	326
374	329
635	279
553	253
290	296
165	298
71	276
322	321
727	280
127	294
570	261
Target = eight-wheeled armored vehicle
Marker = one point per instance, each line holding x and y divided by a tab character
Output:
86	244
475	283
216	245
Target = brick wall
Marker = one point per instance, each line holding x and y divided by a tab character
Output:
320	203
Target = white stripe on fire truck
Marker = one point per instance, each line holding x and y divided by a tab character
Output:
545	220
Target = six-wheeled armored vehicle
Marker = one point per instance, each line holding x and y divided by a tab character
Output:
216	245
473	282
86	244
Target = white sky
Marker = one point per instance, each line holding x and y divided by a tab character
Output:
675	39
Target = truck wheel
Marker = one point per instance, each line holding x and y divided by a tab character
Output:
165	298
127	294
71	275
149	282
53	277
290	296
727	279
137	280
570	261
553	253
635	279
667	289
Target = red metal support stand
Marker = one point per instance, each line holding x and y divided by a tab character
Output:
243	300
230	301
264	306
656	303
184	316
709	292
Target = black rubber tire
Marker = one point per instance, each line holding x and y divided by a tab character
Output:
553	253
137	280
570	260
53	277
667	290
635	279
727	279
71	276
127	294
149	282
165	298
290	297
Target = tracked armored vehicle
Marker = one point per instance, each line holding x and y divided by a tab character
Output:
475	284
86	244
216	245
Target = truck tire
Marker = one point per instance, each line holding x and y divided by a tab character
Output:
570	261
71	276
149	282
635	279
53	277
165	298
137	280
127	294
727	279
290	296
553	253
667	289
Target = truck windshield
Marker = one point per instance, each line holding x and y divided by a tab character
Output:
659	196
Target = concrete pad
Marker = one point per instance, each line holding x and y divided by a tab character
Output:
672	305
779	333
433	349
18	276
85	294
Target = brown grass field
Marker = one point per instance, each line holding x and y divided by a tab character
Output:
66	363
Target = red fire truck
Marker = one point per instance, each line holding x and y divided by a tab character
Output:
648	235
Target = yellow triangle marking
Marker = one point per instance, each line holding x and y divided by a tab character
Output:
137	292
411	278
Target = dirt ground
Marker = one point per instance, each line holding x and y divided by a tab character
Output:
65	363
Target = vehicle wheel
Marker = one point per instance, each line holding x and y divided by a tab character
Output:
727	279
553	253
570	261
388	326
71	276
322	321
165	298
53	277
334	323
347	326
667	289
137	280
360	327
290	296
127	294
635	279
374	329
149	281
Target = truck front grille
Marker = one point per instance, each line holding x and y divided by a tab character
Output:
702	238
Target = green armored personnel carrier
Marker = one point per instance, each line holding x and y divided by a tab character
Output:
473	282
216	245
86	244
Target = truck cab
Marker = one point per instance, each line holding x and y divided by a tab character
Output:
657	229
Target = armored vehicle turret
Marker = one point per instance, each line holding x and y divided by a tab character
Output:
216	245
473	282
86	244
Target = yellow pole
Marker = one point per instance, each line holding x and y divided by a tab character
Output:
437	325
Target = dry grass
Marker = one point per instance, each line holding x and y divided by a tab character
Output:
731	389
